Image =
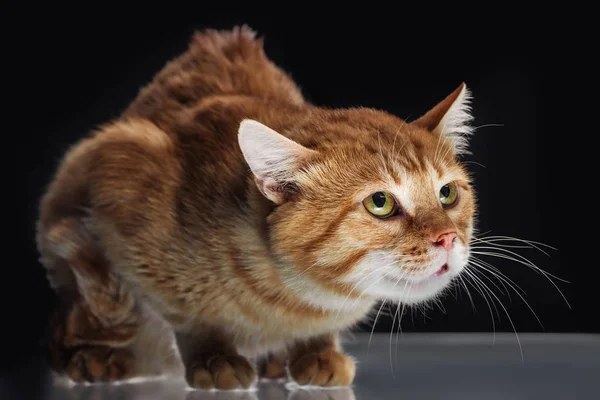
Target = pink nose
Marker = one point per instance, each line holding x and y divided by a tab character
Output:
445	240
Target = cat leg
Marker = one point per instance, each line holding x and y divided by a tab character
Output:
212	362
319	361
92	331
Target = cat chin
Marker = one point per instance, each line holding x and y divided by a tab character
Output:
414	292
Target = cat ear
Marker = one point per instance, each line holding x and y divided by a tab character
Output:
272	157
451	118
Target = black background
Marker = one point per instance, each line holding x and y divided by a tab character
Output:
72	74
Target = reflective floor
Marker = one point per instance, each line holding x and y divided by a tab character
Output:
434	366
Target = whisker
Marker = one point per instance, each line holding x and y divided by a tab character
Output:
496	272
406	293
448	150
508	246
474	162
467	271
519	294
486	126
532	266
509	318
514	239
440	305
381	153
394	144
471	262
375	323
355	286
468	293
438	142
524	260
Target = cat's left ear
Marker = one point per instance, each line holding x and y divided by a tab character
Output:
451	117
273	159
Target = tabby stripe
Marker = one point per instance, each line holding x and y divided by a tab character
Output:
322	239
334	272
272	297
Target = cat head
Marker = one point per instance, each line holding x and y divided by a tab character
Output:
369	205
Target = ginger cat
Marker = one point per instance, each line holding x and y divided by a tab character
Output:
225	228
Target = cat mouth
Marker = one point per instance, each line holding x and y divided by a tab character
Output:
418	282
445	268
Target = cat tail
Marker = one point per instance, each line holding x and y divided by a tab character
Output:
216	63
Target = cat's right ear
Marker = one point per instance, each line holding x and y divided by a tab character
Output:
272	157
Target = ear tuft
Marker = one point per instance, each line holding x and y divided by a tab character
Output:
451	117
273	159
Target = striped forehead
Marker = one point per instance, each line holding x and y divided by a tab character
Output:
416	187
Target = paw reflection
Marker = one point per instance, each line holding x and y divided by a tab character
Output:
313	393
222	395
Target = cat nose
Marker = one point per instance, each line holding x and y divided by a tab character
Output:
445	240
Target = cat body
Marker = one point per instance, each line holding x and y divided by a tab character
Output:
228	211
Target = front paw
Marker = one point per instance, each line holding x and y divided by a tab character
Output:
272	368
100	364
222	372
327	368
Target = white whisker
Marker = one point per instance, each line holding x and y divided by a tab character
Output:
375	323
507	315
486	126
468	293
489	307
519	294
530	265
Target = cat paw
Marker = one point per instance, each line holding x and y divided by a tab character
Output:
327	368
272	368
222	372
99	364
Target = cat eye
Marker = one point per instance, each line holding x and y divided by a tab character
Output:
449	194
381	204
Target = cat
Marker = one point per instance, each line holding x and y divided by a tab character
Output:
224	228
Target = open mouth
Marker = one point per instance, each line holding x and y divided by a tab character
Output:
415	283
442	270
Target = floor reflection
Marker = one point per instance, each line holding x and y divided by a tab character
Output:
425	367
168	390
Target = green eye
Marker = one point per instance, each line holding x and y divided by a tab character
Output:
449	194
380	204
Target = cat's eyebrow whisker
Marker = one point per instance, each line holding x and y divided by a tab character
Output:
474	162
439	141
394	154
486	126
381	154
396	137
448	150
400	149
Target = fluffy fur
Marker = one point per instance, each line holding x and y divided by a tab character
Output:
224	213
